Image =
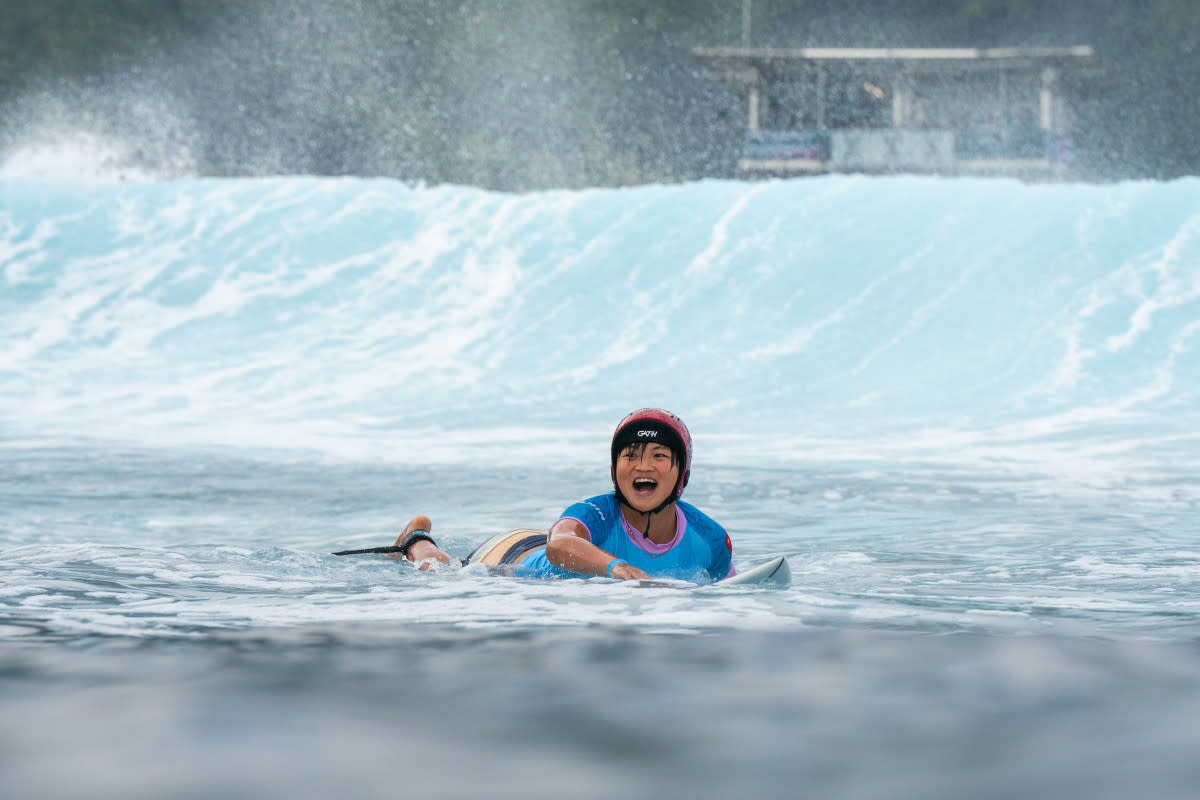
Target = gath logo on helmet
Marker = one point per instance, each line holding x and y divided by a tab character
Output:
661	427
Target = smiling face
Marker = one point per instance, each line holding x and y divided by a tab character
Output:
646	475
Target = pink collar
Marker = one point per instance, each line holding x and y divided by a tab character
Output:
653	548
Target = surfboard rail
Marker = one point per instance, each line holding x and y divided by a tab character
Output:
775	572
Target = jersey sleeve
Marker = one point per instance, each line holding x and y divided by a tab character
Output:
594	517
722	563
720	546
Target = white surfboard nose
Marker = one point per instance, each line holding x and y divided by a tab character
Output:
775	572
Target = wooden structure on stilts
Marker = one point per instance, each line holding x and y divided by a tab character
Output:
956	111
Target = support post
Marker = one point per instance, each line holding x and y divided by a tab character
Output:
1005	111
1049	82
820	97
899	100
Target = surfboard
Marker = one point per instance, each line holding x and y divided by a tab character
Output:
774	572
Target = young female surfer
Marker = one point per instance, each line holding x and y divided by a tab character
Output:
639	530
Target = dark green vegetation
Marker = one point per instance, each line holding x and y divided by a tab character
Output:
521	94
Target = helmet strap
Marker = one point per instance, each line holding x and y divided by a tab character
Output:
649	514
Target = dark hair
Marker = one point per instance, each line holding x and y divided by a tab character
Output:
640	446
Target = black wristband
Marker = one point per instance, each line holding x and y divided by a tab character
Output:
412	538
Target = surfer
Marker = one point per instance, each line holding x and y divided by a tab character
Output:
639	530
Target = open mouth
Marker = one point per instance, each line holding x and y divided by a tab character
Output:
644	487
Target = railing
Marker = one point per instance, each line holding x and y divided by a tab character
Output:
782	145
902	149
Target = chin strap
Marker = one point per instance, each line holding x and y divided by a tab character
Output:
649	514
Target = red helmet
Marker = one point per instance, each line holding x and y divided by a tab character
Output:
660	427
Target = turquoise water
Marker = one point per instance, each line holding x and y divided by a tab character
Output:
965	409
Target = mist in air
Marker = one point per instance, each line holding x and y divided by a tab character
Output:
527	95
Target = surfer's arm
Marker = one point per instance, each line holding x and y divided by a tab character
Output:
569	547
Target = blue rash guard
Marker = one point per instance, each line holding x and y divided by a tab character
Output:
700	552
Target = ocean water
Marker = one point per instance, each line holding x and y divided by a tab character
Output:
966	410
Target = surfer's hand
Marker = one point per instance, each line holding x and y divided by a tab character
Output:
628	572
